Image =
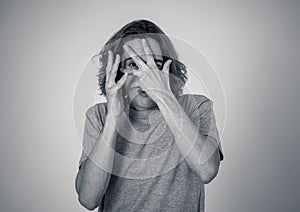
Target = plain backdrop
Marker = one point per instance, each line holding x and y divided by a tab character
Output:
253	45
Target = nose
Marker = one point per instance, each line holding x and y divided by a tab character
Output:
135	84
133	78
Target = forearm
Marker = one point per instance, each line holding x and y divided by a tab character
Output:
94	174
201	152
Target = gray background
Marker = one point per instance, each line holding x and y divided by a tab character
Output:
253	45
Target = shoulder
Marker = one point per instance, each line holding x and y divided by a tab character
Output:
194	97
97	113
193	101
96	109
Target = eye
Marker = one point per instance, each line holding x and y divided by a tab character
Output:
159	64
132	65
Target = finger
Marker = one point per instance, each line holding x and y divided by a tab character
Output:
134	73
134	57
148	53
121	82
114	70
167	65
108	65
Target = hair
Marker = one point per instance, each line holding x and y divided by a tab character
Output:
142	29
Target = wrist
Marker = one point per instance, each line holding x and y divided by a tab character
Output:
114	109
111	115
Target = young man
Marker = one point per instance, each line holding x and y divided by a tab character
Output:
149	148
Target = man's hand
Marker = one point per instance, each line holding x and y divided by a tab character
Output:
115	100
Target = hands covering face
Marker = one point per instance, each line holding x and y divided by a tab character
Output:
151	78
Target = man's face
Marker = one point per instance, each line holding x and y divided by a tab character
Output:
138	98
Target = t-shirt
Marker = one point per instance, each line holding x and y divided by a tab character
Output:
150	173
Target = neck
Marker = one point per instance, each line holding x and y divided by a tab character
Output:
141	113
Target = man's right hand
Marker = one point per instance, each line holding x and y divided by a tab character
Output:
115	100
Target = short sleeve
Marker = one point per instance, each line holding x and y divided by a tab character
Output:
203	115
94	122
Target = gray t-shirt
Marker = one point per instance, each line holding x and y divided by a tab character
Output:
177	187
